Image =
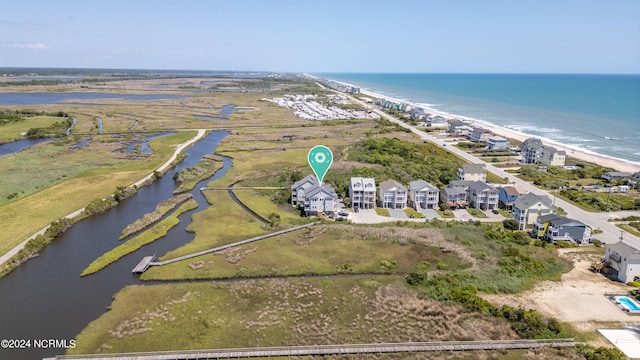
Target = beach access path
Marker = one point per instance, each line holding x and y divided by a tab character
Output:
610	234
201	132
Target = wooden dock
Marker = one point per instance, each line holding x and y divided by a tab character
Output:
143	265
328	350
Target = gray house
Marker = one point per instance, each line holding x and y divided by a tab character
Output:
422	195
298	189
320	200
362	192
554	227
393	195
482	196
454	196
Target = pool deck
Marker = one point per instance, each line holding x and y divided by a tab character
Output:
625	307
627	341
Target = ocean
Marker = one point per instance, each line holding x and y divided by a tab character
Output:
597	114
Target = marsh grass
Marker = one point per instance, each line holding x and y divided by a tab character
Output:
154	233
279	312
14	131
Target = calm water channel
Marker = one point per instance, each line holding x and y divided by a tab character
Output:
46	298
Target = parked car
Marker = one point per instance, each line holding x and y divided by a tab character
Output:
495	211
343	213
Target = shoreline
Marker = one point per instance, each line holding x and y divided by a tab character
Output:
580	154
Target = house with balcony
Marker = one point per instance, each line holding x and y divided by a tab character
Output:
423	195
362	192
393	195
625	259
479	135
534	152
554	228
616	175
472	172
497	143
298	189
320	200
454	197
528	208
482	196
507	195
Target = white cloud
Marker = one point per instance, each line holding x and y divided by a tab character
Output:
29	46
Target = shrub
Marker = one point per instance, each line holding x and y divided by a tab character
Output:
510	224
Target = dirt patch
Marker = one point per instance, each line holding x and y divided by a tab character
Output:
579	298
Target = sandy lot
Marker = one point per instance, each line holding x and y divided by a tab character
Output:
579	299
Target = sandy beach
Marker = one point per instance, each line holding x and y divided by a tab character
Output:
602	160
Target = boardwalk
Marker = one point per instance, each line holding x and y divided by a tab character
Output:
223	247
143	265
409	347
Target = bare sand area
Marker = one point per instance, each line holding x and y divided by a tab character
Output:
579	299
510	134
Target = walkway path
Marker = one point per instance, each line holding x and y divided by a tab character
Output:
76	213
322	350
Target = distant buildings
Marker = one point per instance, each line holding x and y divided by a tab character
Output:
479	135
534	152
362	192
616	175
498	143
307	107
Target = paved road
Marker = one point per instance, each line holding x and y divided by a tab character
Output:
610	234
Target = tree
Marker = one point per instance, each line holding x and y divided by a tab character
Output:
510	224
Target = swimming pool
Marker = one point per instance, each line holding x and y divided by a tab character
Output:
628	304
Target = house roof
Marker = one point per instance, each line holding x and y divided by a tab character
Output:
316	189
556	219
391	185
627	250
309	179
497	139
617	174
460	183
528	200
512	191
532	144
473	168
358	183
420	185
456	190
479	186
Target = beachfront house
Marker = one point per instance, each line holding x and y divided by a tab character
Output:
507	195
479	135
625	259
534	152
553	228
482	196
527	208
422	195
362	192
615	175
472	172
634	180
320	200
393	195
498	143
298	189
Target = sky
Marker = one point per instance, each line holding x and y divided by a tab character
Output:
422	36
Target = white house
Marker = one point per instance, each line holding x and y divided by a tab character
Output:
393	195
472	172
423	195
320	199
625	259
362	192
498	142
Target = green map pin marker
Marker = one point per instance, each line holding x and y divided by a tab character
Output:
320	159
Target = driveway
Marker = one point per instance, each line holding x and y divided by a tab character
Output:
431	214
397	214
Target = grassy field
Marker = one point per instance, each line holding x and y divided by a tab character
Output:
279	312
15	131
322	250
150	235
67	194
